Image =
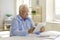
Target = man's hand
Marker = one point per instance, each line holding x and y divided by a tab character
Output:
42	29
31	30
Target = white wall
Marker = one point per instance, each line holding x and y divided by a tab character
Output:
0	14
6	6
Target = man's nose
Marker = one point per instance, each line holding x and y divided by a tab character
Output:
26	13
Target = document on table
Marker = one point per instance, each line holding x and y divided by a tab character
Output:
48	35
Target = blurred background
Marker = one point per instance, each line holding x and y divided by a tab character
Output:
47	11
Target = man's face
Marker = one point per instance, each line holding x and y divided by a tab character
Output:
24	13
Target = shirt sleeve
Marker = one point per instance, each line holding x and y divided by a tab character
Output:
16	30
32	23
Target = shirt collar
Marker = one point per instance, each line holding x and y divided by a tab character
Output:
21	17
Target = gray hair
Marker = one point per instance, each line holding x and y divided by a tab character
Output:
22	7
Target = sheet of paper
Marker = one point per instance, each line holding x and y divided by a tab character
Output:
49	35
37	28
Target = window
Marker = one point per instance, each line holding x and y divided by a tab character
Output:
19	2
52	10
49	10
57	9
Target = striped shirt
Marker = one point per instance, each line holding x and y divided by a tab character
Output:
20	27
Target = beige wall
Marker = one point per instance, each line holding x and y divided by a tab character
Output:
43	10
52	26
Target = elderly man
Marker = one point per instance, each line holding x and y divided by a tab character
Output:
22	25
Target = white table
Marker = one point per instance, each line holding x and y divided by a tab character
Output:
30	37
23	38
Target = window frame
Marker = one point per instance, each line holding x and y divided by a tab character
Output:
56	18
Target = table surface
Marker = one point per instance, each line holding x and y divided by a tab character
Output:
27	38
23	38
30	37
